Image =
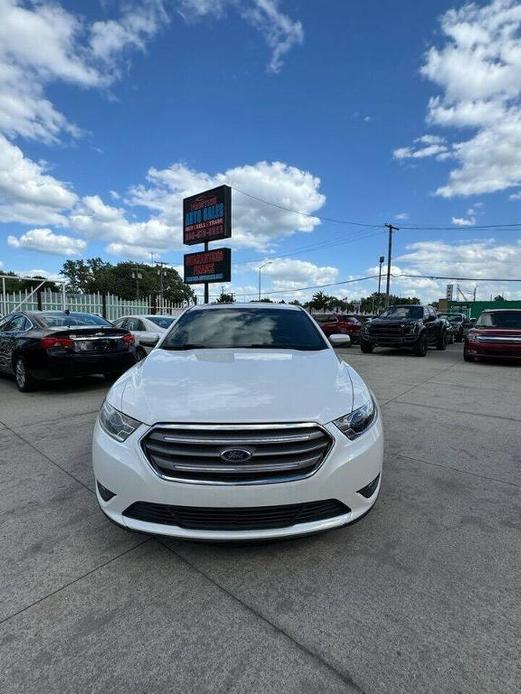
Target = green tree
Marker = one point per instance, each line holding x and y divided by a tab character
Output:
225	298
84	276
127	280
499	297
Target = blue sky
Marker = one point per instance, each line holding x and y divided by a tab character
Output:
401	111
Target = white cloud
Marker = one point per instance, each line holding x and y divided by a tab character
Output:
464	221
478	69
27	193
403	216
426	146
484	259
42	43
96	220
255	224
280	32
137	25
287	273
46	241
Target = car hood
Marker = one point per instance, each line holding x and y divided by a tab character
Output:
236	386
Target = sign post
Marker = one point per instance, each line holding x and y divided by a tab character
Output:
207	217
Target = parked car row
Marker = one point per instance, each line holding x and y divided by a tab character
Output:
495	334
38	346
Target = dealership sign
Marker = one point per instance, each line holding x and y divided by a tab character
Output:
207	216
208	266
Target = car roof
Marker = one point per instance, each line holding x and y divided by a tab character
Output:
254	304
145	315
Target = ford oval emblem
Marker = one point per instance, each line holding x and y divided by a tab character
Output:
236	455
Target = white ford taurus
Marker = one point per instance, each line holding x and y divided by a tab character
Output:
241	424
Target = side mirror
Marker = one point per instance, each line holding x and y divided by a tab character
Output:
149	340
340	340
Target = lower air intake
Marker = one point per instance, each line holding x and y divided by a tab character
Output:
249	518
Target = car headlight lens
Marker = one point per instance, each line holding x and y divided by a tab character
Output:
354	424
117	424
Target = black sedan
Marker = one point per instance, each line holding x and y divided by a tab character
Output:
44	345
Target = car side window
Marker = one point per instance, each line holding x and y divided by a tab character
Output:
16	323
140	326
4	323
119	323
132	324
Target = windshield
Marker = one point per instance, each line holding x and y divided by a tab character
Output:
244	327
64	320
399	312
502	319
163	321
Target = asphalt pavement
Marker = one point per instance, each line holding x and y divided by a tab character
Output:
423	595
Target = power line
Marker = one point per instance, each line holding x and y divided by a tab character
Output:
412	227
305	214
338	241
320	286
461	279
515	226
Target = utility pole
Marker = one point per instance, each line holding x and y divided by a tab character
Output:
161	272
382	259
391	228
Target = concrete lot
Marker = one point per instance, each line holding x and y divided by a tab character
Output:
423	596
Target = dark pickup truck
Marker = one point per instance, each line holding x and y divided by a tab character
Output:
410	327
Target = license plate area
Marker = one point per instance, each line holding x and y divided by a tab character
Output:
97	346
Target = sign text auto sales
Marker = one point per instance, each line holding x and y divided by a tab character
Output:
207	216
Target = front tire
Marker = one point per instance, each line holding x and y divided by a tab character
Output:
366	347
25	381
421	347
467	356
443	341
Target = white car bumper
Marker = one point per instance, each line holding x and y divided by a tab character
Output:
349	466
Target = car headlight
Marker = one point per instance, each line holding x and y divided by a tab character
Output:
117	424
354	424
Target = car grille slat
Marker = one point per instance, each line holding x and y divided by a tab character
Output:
243	518
192	453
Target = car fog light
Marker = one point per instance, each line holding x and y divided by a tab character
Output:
105	493
370	488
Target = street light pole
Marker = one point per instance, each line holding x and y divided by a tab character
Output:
260	281
382	259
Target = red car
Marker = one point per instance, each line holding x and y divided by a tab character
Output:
496	333
338	323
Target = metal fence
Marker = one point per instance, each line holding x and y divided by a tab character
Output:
108	305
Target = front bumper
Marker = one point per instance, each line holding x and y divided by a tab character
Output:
350	466
494	350
396	341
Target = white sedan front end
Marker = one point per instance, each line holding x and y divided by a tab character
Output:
238	442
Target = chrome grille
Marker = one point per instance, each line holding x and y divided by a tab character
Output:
275	453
